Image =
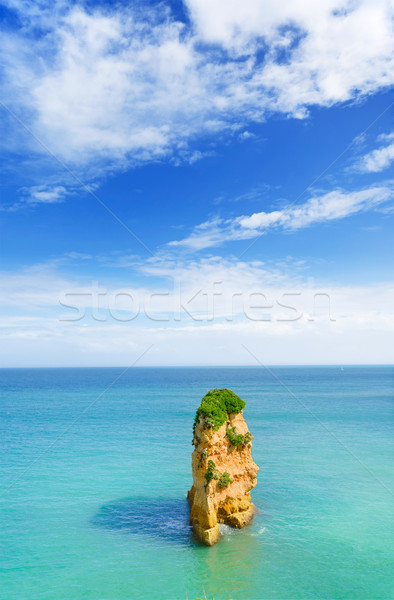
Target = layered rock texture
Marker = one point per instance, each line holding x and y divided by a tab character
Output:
223	469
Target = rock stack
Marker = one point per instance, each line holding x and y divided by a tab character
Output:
223	469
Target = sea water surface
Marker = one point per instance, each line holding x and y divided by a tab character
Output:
102	513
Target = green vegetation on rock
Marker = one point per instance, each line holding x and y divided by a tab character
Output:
235	439
238	439
224	481
211	472
216	405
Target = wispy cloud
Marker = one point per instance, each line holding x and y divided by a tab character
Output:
219	304
106	88
378	159
330	206
37	194
44	194
246	135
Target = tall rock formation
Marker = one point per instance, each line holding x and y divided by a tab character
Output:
223	469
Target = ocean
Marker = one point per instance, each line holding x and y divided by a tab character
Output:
100	512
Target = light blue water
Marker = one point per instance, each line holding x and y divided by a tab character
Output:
102	515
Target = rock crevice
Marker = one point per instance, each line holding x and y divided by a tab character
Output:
223	469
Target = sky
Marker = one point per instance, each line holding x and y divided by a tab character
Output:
197	182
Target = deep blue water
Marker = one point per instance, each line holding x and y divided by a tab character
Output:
102	514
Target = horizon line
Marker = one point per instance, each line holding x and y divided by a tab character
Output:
232	366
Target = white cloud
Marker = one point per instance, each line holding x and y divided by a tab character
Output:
318	209
379	159
237	27
33	333
246	135
330	50
122	85
44	194
40	287
39	194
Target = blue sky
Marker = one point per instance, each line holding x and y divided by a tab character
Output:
203	165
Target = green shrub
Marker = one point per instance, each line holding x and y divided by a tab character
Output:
224	481
235	439
211	472
216	405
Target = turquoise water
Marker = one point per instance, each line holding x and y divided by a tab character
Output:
102	515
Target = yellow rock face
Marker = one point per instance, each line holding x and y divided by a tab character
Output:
210	502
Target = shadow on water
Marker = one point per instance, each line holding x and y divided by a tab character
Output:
159	518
